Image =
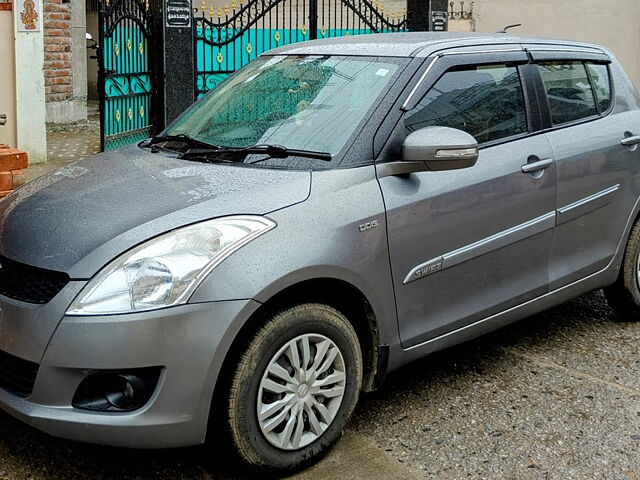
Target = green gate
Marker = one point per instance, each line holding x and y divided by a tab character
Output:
230	36
126	81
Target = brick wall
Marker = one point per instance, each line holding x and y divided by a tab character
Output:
58	76
12	165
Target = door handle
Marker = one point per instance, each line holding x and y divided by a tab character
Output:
537	166
630	141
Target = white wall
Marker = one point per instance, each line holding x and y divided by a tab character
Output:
29	56
7	79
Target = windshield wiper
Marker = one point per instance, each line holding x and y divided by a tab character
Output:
272	151
182	138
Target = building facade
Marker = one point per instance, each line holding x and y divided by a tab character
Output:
43	70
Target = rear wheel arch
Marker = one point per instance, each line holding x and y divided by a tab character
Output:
616	266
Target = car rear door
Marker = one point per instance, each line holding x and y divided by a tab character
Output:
587	116
465	244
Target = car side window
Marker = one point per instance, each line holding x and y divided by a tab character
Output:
568	90
486	101
601	82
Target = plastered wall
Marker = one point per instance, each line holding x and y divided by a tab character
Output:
7	78
614	23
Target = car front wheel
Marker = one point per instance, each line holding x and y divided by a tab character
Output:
294	388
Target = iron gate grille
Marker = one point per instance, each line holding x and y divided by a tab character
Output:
127	86
227	38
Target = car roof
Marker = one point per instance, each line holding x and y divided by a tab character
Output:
414	44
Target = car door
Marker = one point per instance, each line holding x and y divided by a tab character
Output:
587	118
465	244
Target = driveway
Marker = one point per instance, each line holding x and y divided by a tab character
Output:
556	396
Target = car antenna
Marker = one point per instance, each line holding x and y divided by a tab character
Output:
504	30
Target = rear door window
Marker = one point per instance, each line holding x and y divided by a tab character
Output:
568	90
601	83
486	101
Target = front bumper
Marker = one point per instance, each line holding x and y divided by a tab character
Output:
188	342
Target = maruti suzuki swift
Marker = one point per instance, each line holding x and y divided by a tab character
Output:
331	212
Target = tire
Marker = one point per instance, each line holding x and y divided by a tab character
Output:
273	444
624	295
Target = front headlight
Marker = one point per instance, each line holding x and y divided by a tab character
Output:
166	270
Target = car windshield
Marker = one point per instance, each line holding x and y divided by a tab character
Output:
301	102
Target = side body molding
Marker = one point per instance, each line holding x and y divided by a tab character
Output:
513	234
586	205
481	247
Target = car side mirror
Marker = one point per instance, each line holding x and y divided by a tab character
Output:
440	148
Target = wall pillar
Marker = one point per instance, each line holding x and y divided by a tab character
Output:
30	93
7	76
427	15
178	61
418	15
439	15
79	57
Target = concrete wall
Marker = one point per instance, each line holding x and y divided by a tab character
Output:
30	96
79	58
614	23
8	134
461	25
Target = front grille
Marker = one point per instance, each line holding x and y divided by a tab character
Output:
16	375
29	284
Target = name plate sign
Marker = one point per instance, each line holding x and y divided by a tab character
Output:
178	13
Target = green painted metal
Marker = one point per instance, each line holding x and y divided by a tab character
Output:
126	73
228	38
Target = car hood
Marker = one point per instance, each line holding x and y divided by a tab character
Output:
80	217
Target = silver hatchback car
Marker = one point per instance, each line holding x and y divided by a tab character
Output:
331	212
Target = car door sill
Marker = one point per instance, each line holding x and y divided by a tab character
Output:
472	327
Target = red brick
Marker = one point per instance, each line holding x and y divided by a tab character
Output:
57	73
19	178
48	47
59	16
6	181
12	159
52	56
57	64
58	81
60	24
62	89
58	40
56	32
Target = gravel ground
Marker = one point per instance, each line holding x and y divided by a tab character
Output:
556	396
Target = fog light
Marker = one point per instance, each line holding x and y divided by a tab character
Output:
125	391
116	391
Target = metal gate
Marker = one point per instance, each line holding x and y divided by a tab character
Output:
226	38
126	80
